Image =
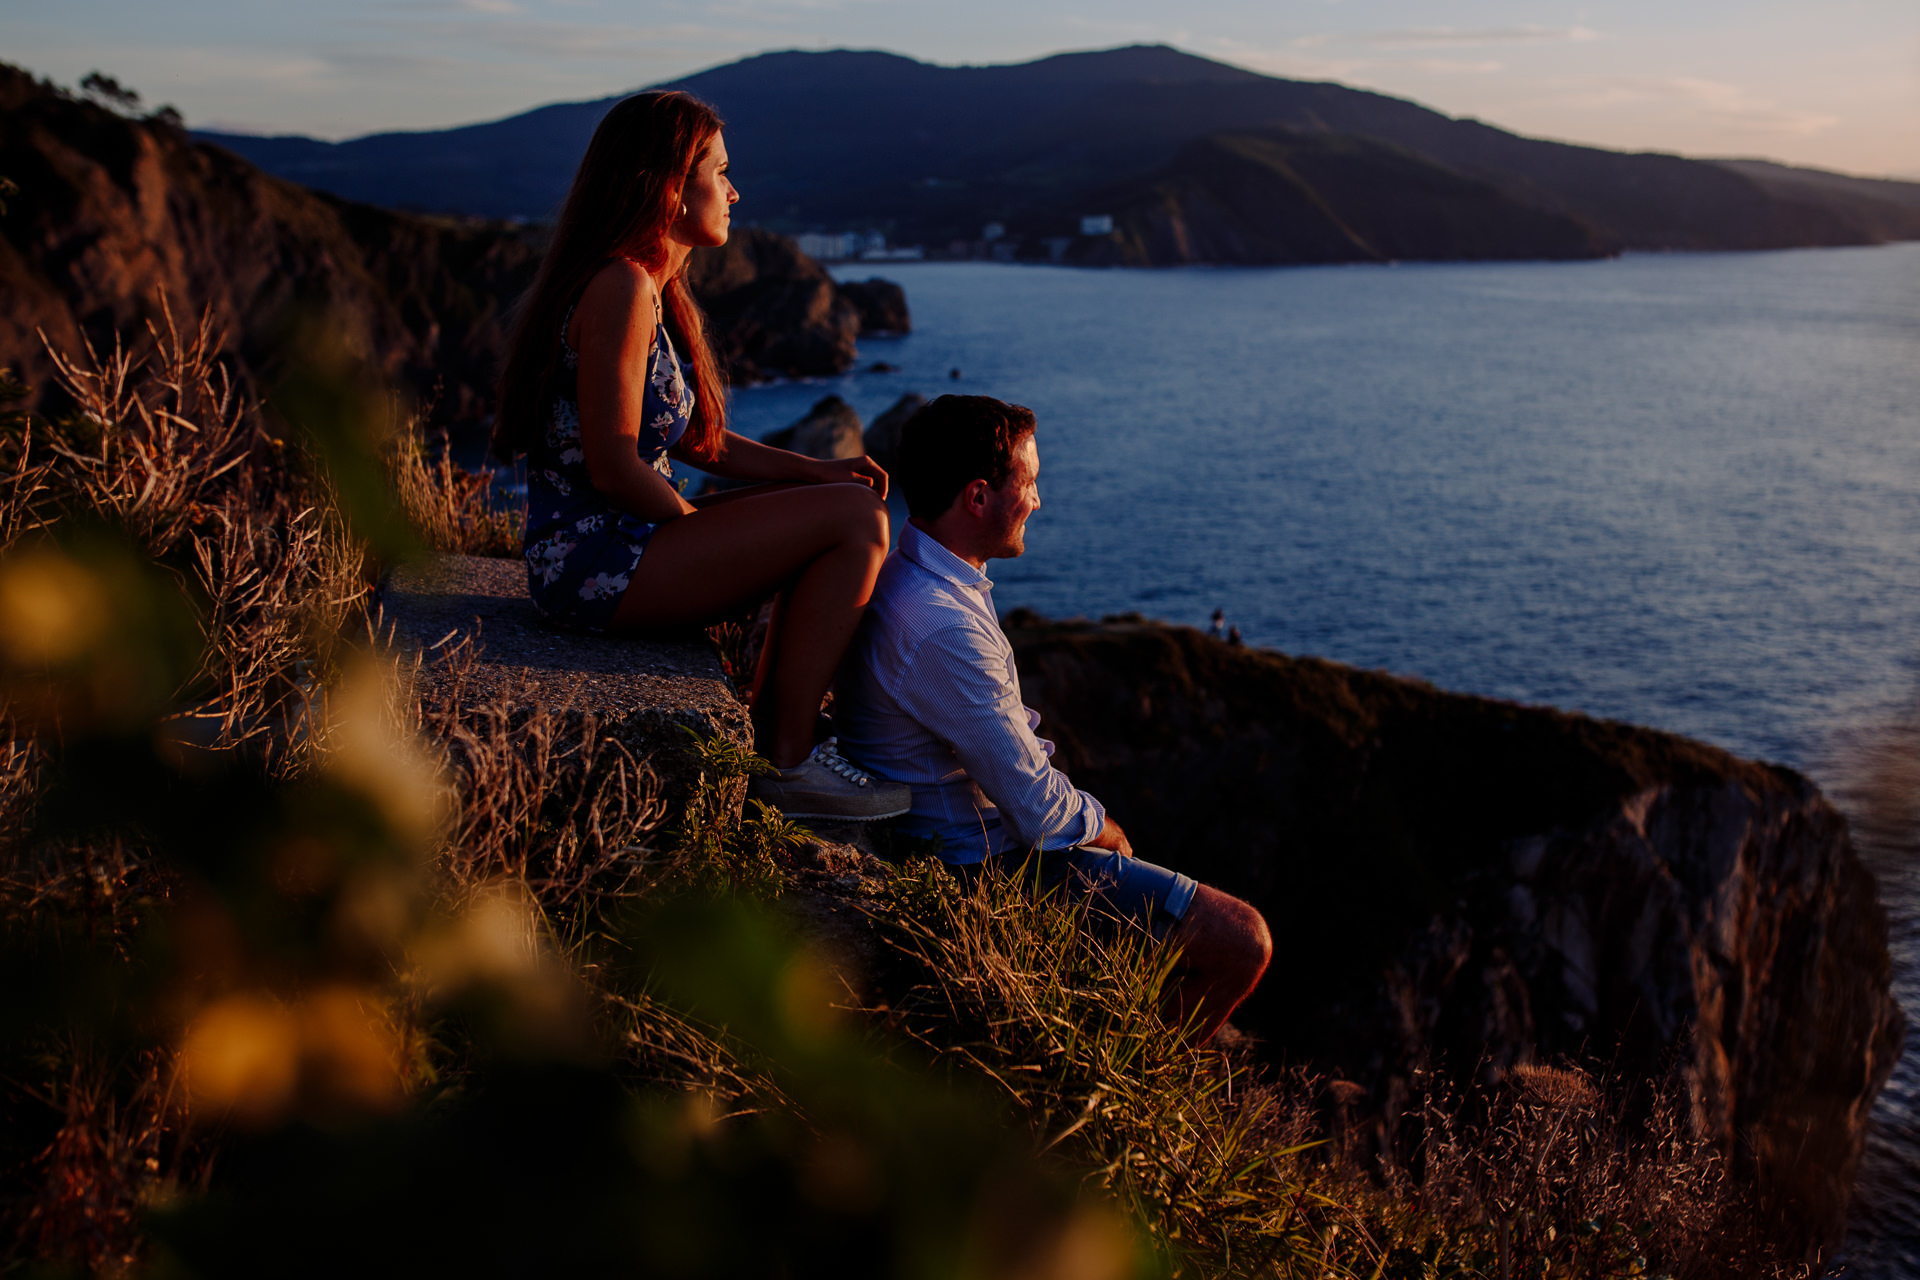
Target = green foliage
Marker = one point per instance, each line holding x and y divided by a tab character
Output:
719	853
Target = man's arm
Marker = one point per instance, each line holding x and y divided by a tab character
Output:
957	687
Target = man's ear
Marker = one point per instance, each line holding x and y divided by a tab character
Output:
973	498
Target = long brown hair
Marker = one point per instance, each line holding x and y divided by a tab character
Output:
625	194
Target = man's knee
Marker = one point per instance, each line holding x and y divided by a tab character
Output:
1231	929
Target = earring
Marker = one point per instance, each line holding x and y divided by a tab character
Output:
683	209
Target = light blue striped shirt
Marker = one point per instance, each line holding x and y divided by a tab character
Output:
929	696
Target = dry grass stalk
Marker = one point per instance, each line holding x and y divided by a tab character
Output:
1553	1169
1065	1020
113	1148
543	798
25	471
168	428
452	509
283	585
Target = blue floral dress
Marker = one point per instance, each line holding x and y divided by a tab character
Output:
581	549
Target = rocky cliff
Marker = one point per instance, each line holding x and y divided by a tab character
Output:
112	212
1467	883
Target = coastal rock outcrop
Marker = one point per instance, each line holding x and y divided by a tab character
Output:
882	305
883	436
1453	882
775	311
831	429
1467	883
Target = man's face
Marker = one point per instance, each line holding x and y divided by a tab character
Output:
1017	498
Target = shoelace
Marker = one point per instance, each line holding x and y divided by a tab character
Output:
829	756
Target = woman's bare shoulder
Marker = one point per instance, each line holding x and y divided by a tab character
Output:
617	307
622	286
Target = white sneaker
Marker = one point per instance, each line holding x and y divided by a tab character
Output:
827	786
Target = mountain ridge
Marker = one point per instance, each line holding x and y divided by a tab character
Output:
841	139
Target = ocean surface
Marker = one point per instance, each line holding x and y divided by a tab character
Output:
1681	490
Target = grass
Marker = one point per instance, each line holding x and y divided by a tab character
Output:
280	930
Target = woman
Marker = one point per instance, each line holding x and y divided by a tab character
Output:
609	374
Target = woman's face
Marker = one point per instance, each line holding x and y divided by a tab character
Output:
709	197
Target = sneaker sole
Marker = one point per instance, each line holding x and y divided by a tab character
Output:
843	817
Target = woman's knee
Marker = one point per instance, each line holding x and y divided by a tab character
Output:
860	513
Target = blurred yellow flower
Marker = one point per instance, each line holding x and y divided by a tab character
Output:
52	609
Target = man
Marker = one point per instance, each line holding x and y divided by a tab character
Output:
929	696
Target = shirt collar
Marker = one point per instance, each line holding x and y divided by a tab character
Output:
925	550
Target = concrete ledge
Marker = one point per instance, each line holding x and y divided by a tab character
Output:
641	691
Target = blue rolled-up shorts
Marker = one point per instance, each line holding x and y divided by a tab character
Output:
1128	890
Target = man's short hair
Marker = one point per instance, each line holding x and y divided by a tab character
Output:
951	443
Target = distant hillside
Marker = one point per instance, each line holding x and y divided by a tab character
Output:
1281	195
1888	207
844	139
113	211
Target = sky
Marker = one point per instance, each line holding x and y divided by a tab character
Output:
1834	84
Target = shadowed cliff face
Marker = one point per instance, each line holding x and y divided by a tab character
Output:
1469	883
112	212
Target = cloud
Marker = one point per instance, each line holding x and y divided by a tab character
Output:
1453	66
574	40
1468	37
1288	61
1728	105
495	7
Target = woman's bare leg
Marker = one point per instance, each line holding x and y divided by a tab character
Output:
824	543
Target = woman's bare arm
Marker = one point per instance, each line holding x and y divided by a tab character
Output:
753	461
612	330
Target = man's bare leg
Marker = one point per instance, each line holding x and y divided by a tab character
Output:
1224	950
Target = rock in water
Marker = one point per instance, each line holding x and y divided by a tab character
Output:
883	437
831	429
882	305
1463	882
773	309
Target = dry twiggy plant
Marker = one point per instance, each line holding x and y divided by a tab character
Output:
452	509
154	436
25	471
1560	1174
542	797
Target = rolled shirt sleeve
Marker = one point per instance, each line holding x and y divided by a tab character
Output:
975	708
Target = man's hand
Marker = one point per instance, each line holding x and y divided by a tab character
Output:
1112	837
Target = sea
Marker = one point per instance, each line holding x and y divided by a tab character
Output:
1681	490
